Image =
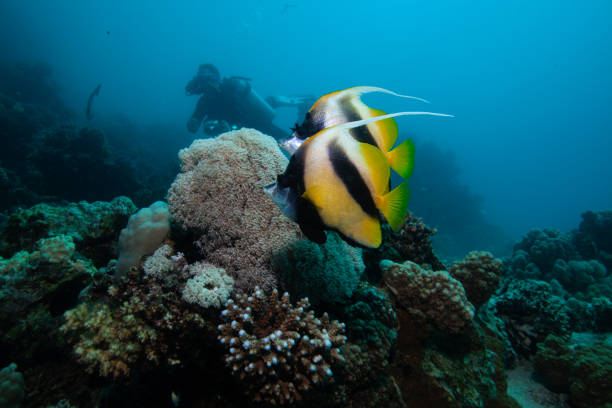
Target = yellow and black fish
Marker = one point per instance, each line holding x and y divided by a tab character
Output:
346	106
336	182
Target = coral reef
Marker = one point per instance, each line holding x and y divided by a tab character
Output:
144	233
412	242
571	259
284	350
36	288
435	298
110	342
92	226
581	368
11	387
218	199
145	322
531	311
208	285
327	273
480	274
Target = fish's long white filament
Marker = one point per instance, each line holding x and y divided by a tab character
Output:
366	89
357	123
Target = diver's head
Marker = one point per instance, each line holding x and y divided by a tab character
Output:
207	78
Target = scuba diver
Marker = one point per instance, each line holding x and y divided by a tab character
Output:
230	103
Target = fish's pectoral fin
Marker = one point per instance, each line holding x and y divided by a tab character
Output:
377	165
394	205
387	129
401	159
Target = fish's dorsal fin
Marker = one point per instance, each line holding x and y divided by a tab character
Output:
355	92
357	123
360	90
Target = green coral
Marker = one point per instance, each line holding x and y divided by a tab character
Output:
327	273
11	387
370	318
87	223
581	366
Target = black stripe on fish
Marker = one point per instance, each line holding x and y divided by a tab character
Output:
311	125
310	221
361	133
348	173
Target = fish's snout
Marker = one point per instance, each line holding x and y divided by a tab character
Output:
270	189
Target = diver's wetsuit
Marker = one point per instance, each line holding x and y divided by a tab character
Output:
228	103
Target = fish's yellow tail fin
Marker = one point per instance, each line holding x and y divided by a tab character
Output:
401	159
394	205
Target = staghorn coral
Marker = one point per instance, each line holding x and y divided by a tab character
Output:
480	275
218	199
208	286
435	298
284	350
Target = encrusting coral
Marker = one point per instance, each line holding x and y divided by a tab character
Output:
436	298
218	199
480	275
284	350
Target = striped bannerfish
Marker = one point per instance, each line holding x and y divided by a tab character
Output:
336	182
346	106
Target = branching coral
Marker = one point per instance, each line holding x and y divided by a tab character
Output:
145	320
219	199
433	297
284	350
110	343
480	275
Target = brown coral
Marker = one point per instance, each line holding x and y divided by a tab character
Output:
435	298
283	349
218	198
480	275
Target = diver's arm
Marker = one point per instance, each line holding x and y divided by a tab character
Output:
198	115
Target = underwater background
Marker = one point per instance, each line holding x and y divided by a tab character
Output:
132	274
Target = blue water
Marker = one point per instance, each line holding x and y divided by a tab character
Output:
529	82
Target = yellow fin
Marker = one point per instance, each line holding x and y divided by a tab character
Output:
387	130
394	205
378	168
366	232
401	159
